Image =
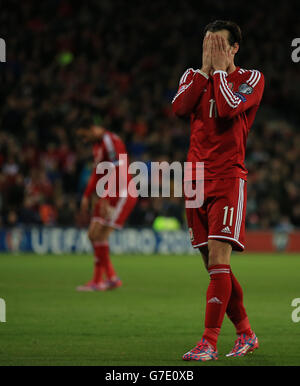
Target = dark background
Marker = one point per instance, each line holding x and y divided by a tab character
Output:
124	59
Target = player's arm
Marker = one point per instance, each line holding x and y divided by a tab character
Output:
115	150
112	155
231	104
192	84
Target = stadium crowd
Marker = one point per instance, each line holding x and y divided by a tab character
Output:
124	60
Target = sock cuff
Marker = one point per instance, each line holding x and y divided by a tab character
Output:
243	327
219	268
98	244
211	335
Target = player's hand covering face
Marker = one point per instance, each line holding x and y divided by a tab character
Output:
220	53
206	54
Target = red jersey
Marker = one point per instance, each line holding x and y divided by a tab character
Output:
222	109
108	149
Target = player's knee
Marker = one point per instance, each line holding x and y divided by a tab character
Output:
104	233
204	254
216	259
219	252
101	237
99	233
94	232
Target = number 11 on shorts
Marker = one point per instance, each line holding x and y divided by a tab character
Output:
231	210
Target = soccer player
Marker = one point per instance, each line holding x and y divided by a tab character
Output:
109	212
221	100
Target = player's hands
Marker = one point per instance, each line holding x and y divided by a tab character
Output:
84	205
220	53
206	54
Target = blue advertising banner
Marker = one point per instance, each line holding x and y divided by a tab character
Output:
72	240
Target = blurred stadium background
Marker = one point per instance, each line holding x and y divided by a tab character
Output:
124	60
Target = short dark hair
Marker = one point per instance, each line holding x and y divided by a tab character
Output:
235	33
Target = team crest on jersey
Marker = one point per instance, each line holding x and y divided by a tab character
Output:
191	234
245	89
239	95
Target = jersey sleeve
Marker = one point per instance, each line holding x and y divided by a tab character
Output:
115	148
191	86
230	104
110	148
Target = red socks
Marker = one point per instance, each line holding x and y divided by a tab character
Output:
217	297
236	310
98	267
102	264
224	294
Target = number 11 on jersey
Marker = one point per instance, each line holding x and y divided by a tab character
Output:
231	210
213	108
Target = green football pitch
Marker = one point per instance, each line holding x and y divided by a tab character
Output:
152	320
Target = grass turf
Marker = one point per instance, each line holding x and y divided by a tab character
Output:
151	321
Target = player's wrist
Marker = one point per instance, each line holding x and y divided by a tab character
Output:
205	70
220	69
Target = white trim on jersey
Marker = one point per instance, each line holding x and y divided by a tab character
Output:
251	76
200	245
183	80
118	209
185	75
239	215
227	88
230	98
254	78
109	147
183	88
226	238
225	97
203	74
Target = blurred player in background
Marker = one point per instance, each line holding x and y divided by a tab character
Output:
221	101
109	213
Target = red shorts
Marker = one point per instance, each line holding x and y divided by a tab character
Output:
119	209
222	215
